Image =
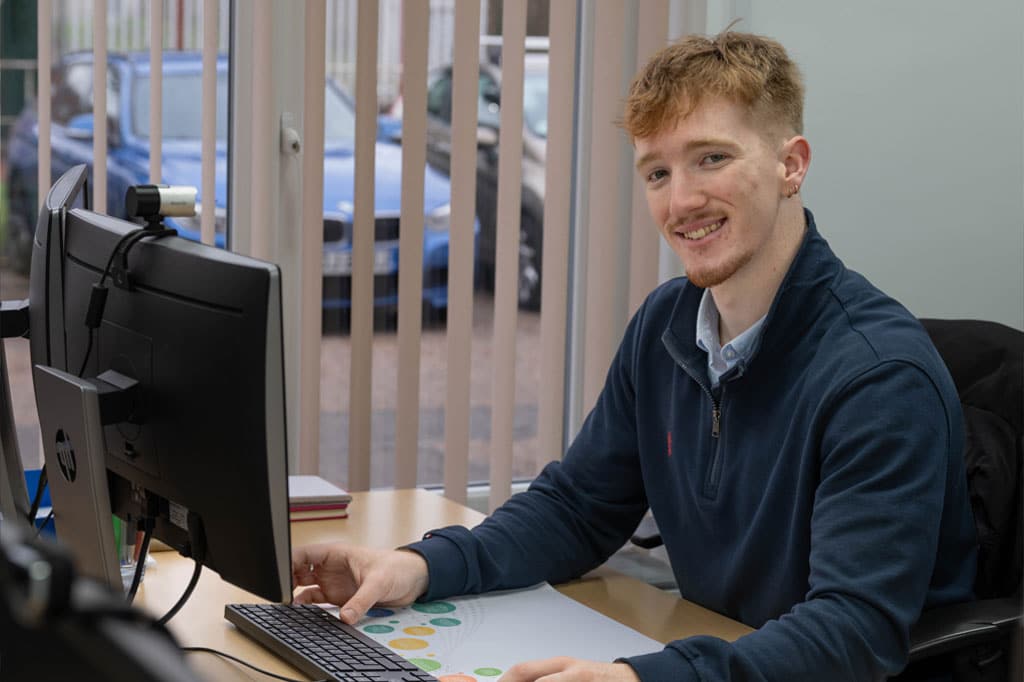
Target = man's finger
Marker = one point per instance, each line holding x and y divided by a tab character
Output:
309	595
368	594
304	574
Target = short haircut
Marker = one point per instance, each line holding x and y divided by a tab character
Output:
747	69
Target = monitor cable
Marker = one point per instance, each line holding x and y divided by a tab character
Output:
140	560
215	652
98	297
184	597
38	497
42	526
195	548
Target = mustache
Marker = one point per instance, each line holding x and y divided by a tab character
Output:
675	224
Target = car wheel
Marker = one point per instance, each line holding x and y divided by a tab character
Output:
18	243
530	257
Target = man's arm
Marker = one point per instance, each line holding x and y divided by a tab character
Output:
574	516
887	448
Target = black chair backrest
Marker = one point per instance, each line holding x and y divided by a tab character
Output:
986	360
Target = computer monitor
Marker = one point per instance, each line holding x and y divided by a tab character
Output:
181	390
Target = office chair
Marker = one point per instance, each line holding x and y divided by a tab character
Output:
974	641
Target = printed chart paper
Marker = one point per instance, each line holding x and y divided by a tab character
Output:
477	638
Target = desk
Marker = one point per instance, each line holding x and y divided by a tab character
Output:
386	518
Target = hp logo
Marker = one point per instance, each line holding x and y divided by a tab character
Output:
66	456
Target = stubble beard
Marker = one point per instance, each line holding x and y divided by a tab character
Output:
714	274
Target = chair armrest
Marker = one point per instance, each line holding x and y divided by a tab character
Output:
956	626
647	534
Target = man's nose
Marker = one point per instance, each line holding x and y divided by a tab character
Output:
687	196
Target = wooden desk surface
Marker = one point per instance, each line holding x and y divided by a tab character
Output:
386	518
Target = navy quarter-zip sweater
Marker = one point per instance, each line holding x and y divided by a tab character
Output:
819	496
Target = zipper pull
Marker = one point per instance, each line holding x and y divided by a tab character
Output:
716	421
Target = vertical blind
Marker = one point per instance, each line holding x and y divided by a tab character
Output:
621	253
460	254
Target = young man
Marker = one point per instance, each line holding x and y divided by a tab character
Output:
793	430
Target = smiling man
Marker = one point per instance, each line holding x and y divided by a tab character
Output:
791	427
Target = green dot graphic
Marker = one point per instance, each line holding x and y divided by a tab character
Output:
434	607
445	622
378	629
394	621
487	672
425	664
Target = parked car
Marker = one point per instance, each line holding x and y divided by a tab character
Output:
534	133
128	164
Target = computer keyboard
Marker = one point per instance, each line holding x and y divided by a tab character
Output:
320	645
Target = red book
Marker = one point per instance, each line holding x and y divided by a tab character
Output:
317	515
317	507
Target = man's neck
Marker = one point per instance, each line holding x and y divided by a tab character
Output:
745	298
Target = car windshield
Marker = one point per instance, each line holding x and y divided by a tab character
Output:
182	111
535	102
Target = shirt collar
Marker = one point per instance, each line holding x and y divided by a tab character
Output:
722	358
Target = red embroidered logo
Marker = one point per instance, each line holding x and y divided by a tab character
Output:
668	435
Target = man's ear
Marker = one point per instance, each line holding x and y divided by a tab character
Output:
795	155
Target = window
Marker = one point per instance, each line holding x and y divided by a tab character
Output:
439	98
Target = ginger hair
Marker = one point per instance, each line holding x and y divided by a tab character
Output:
750	70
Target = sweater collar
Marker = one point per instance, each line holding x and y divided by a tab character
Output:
796	304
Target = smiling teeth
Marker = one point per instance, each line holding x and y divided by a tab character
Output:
702	232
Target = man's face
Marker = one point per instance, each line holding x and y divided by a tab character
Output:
714	186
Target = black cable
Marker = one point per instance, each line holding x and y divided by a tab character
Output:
140	563
38	497
88	351
49	517
98	297
215	652
184	598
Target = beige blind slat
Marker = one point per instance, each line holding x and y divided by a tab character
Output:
557	199
360	402
99	106
506	276
312	236
652	31
262	103
156	89
44	41
211	10
606	149
415	35
460	251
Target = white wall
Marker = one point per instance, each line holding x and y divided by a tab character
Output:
915	112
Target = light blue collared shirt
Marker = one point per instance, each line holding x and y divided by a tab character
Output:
722	358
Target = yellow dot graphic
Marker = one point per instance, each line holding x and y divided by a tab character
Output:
419	630
407	643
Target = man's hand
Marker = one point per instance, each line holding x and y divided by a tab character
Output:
566	669
356	578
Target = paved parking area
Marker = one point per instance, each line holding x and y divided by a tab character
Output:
334	396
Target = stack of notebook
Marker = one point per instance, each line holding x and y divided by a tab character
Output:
311	498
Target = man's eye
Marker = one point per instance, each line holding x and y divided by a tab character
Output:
656	175
713	159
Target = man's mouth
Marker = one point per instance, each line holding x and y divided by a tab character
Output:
702	232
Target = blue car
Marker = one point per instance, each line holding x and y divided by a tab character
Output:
128	164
